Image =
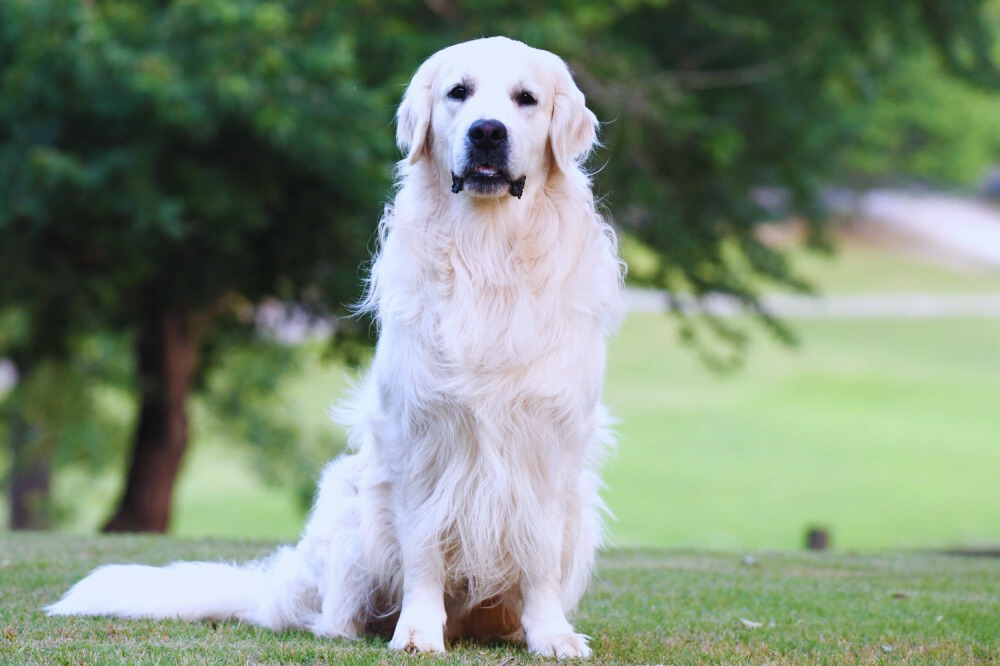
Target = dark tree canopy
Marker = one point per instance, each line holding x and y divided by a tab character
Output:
165	164
166	155
251	139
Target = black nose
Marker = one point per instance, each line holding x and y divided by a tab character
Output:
488	134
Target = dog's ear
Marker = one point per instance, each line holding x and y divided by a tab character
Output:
573	130
413	118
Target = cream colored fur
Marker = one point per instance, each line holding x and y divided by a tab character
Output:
479	429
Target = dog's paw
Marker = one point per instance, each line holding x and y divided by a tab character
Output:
410	638
566	645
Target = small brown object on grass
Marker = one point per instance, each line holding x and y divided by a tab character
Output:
817	538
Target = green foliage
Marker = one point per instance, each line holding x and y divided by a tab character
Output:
183	156
922	124
250	139
138	141
712	101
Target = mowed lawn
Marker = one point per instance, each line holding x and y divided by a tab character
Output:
887	432
677	607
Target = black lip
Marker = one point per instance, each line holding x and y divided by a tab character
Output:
500	175
489	184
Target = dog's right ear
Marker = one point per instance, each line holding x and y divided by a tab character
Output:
413	118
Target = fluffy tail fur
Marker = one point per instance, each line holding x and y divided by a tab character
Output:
285	591
270	593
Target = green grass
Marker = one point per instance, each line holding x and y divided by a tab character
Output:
885	431
677	607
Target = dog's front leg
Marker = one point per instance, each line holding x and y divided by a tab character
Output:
422	617
546	629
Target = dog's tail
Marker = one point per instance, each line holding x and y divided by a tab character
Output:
269	593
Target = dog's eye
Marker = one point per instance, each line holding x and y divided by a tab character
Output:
458	92
525	98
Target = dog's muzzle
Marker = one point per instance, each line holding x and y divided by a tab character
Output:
486	161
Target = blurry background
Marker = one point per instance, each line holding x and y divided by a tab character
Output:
802	188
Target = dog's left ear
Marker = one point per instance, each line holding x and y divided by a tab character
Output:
573	130
413	118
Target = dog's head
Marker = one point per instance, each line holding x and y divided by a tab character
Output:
495	113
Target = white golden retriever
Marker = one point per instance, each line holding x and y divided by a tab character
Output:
470	506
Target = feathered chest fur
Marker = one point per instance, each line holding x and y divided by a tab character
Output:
512	301
490	294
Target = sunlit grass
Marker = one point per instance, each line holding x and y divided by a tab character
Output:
679	607
883	431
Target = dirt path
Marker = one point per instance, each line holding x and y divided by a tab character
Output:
862	306
955	226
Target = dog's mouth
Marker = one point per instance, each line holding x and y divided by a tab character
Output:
487	179
485	171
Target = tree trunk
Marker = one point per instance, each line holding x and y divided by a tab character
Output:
30	476
167	355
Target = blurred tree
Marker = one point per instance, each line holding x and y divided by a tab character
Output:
56	418
243	403
165	165
918	110
707	102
